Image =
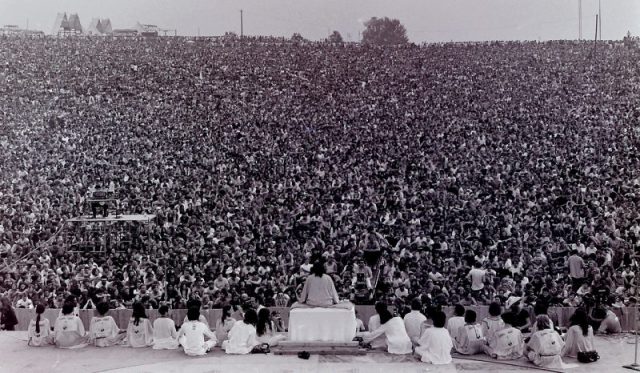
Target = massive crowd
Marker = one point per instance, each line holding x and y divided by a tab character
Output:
474	170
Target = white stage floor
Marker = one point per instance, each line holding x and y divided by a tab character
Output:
16	356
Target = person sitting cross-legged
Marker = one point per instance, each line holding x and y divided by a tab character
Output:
192	334
545	346
435	344
508	343
469	340
103	331
165	336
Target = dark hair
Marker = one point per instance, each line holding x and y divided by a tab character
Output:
470	316
163	309
439	319
580	318
102	308
385	315
250	317
264	321
380	306
416	305
226	313
193	313
458	310
318	268
39	311
495	309
67	308
507	317
138	313
541	308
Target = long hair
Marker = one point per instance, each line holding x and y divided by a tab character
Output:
580	318
264	321
39	311
543	322
318	268
226	313
138	313
385	315
250	317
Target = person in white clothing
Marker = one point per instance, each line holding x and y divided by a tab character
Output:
139	330
69	331
398	342
192	334
374	323
224	325
469	339
103	331
434	346
545	346
508	343
454	323
413	321
196	304
165	336
265	329
243	336
579	337
493	323
39	331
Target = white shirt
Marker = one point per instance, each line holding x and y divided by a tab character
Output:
164	334
453	324
413	323
435	346
398	341
242	339
194	333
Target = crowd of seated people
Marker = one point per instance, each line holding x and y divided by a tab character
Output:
478	172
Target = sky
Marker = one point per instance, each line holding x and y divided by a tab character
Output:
425	20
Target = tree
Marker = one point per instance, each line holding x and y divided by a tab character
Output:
297	38
384	31
335	38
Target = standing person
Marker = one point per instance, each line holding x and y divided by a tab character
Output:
243	335
398	341
455	322
192	334
39	329
103	330
224	324
8	319
165	336
545	346
576	269
68	330
139	330
579	337
413	321
435	344
476	275
508	343
469	339
492	323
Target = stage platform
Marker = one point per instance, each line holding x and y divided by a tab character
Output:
18	357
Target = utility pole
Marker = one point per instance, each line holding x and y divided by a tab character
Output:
600	17
241	25
595	41
579	19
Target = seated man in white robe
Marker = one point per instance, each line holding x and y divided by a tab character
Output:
69	331
434	346
165	336
192	334
469	339
413	321
492	323
508	343
610	324
243	335
319	291
374	323
455	322
103	331
545	346
392	328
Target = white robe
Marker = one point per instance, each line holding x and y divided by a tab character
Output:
222	329
140	335
191	337
544	349
507	344
453	324
165	336
398	341
42	338
435	346
69	332
103	332
469	339
413	324
374	323
491	325
576	342
242	339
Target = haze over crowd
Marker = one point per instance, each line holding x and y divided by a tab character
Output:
426	20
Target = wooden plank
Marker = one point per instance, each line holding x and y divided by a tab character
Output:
318	344
354	352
